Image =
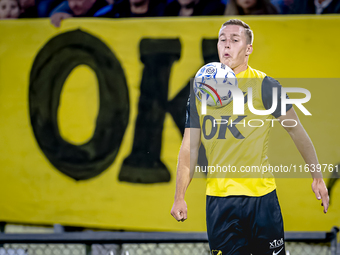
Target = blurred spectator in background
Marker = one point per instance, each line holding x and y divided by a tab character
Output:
250	7
28	9
194	8
134	8
316	6
37	8
76	8
283	6
9	9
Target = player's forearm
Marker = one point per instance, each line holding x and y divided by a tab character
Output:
305	146
186	162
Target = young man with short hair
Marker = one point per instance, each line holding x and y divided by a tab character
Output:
243	214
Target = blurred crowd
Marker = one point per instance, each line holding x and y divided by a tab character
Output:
58	10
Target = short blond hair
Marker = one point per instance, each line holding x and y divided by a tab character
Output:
238	22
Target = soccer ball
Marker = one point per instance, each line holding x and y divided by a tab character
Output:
213	82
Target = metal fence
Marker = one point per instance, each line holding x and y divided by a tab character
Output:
148	243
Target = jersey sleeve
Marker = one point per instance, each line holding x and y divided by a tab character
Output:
192	119
268	84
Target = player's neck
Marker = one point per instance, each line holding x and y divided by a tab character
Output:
240	68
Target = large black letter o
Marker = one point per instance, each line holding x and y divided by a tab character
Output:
53	64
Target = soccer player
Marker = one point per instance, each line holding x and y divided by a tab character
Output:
243	214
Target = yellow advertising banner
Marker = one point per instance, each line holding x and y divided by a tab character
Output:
92	115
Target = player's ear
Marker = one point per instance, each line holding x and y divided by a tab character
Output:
249	49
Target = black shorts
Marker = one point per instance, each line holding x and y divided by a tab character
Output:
242	225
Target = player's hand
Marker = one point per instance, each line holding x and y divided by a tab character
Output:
321	192
179	210
58	17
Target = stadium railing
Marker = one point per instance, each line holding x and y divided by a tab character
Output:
158	243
